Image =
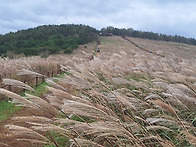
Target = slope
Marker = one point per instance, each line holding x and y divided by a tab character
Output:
127	96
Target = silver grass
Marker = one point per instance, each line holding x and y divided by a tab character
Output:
85	109
156	139
153	96
107	127
48	127
33	141
164	106
112	134
191	138
81	99
120	80
28	72
93	128
106	72
92	77
84	142
187	89
67	121
154	128
32	119
17	98
140	119
94	93
74	83
3	144
55	85
178	94
169	76
173	100
139	104
117	131
17	83
59	93
161	121
150	112
188	125
47	107
23	131
64	69
53	99
65	96
125	101
72	124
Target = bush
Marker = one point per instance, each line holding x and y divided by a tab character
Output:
68	50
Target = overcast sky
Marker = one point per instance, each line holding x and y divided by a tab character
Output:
161	16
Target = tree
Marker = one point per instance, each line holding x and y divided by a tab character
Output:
47	38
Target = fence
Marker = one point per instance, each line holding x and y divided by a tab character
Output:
139	47
30	78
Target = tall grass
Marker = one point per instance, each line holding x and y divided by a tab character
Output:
119	100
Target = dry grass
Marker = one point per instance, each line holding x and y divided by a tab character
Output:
124	97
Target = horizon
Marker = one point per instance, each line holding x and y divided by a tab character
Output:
170	17
94	28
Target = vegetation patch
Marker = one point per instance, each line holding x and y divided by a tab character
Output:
138	77
7	109
59	139
39	90
45	40
82	119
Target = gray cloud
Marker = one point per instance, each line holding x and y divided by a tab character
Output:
168	17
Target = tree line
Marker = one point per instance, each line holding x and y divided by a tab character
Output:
148	35
47	39
52	39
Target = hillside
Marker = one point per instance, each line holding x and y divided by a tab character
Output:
45	40
54	39
147	35
135	92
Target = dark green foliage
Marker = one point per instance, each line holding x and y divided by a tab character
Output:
149	35
51	39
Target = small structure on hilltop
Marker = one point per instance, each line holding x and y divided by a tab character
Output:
105	34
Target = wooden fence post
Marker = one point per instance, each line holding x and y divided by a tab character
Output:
25	83
9	87
42	79
36	80
58	69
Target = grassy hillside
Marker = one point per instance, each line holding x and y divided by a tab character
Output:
44	40
147	35
52	39
126	96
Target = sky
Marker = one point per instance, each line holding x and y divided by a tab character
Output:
170	17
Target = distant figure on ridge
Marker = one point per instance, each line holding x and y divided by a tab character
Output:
98	49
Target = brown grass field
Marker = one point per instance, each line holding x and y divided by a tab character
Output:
135	92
